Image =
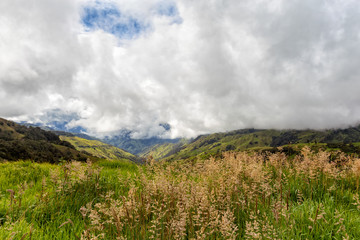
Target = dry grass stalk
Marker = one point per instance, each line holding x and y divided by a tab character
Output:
201	200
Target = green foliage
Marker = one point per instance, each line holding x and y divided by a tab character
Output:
137	146
21	142
160	151
255	139
43	200
99	149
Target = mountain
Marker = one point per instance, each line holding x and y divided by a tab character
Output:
71	134
23	142
164	150
210	144
257	139
136	146
98	148
58	122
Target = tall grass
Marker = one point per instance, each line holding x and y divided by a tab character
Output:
43	200
240	196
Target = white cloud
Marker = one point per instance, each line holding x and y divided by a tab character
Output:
226	65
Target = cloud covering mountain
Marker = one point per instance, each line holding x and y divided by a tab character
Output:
200	66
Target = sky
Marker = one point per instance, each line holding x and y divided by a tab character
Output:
198	66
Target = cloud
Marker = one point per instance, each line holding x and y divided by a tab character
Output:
200	66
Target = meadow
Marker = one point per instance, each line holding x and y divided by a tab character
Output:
242	195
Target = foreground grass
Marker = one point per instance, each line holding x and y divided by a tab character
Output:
36	199
241	196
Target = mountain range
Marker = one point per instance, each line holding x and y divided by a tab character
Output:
60	124
255	139
136	146
29	142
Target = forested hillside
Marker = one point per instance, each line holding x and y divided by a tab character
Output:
22	142
99	149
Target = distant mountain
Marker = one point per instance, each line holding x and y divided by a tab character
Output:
70	134
57	120
22	142
136	146
58	126
122	140
46	128
213	144
99	149
216	143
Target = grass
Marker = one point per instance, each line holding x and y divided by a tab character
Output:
98	149
239	196
46	196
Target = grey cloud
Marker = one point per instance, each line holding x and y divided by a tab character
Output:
38	55
227	65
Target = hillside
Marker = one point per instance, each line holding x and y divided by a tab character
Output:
99	149
22	142
136	146
214	144
164	150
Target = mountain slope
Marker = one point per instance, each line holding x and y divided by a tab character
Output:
99	149
164	150
238	140
135	146
22	142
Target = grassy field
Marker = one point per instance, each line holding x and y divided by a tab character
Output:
239	196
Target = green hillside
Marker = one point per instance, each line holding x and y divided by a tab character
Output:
160	151
32	143
99	149
215	144
136	146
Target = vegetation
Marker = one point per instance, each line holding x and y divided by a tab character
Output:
32	143
42	200
235	185
99	149
164	150
136	146
311	195
22	142
239	140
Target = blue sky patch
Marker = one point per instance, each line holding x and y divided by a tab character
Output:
111	20
169	9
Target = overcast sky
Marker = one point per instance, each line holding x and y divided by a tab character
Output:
201	66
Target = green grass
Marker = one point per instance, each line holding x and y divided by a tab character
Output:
283	198
41	208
